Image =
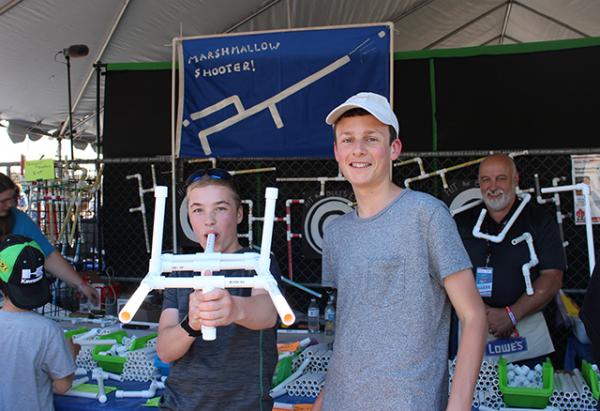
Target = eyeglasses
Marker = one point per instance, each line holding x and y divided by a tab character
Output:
213	173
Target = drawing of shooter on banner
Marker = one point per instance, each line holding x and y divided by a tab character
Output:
212	104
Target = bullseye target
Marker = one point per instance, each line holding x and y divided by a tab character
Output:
319	215
465	197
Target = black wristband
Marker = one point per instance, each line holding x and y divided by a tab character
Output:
185	324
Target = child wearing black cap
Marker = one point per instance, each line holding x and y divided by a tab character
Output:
35	357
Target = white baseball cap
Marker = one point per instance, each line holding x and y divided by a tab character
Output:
375	104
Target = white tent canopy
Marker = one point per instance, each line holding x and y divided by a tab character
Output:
33	85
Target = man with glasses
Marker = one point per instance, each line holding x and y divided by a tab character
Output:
234	372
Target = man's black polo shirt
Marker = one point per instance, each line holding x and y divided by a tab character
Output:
589	312
507	259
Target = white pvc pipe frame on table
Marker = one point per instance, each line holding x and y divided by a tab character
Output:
199	262
98	375
149	393
585	189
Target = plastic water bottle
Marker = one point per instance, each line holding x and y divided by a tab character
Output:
313	316
85	306
330	316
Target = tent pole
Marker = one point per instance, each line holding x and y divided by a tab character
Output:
99	55
68	58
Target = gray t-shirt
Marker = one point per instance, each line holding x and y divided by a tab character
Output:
393	315
34	353
232	373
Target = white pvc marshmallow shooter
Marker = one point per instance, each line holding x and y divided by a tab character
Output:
199	262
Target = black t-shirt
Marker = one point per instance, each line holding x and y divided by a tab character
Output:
507	259
590	312
234	372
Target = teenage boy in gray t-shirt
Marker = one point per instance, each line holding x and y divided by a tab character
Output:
36	358
395	261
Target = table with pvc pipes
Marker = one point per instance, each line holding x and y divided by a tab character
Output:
68	403
283	400
63	403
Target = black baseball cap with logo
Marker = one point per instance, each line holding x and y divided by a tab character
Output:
22	271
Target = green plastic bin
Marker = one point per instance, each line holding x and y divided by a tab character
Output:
141	341
526	397
591	378
283	369
114	363
110	363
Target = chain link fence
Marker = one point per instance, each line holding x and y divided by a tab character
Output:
311	192
65	209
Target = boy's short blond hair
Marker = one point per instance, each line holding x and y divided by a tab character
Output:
207	180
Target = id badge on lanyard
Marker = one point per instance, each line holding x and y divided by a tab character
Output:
484	279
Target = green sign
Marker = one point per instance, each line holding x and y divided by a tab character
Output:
39	170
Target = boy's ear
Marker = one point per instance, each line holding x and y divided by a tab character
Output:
396	148
240	214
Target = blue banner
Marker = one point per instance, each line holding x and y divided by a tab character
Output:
267	94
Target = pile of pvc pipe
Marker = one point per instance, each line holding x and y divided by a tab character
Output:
84	358
86	341
120	349
571	392
126	345
282	387
140	365
309	370
486	391
523	376
307	385
319	356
